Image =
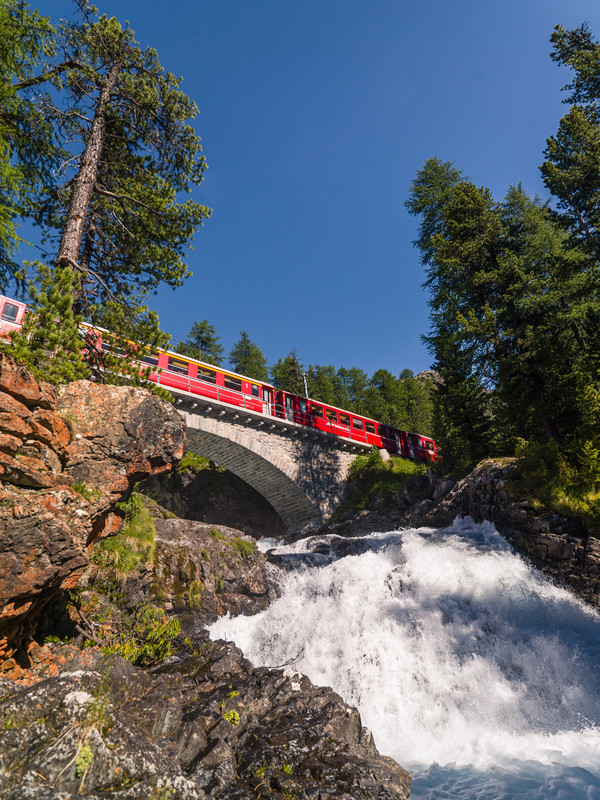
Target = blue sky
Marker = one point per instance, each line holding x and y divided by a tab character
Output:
315	116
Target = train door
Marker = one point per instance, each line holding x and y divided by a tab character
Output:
279	407
289	407
266	396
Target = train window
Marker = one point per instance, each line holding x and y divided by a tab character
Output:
331	414
357	423
382	431
370	427
302	405
317	411
429	445
9	312
233	383
344	419
177	365
208	375
255	390
110	348
152	360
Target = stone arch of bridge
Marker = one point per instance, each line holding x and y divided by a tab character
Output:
302	480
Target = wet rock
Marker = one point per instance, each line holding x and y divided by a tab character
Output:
559	546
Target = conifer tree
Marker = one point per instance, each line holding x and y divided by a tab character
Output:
287	374
27	154
50	343
128	153
321	382
96	147
247	358
203	343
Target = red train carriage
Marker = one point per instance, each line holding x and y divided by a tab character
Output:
181	373
314	414
12	313
177	372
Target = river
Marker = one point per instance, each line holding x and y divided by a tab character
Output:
469	667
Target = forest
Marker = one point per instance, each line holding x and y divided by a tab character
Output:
514	301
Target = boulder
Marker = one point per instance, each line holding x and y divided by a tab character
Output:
207	571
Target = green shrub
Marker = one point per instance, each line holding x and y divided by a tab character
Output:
84	760
85	491
195	594
375	478
192	462
244	547
133	545
148	637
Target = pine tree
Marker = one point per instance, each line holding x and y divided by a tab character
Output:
202	343
50	343
128	152
247	358
287	374
27	155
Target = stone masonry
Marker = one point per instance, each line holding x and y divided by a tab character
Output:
302	475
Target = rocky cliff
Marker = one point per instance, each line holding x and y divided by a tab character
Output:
67	455
562	547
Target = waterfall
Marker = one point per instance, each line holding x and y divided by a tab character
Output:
469	667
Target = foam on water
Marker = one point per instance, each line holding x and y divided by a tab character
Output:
456	653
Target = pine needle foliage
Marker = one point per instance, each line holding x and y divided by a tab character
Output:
50	343
128	337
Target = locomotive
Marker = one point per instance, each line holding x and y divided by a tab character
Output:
193	377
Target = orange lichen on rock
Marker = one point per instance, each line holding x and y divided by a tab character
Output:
68	455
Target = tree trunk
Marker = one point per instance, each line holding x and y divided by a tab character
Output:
83	187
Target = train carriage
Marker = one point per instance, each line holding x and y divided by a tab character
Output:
12	314
349	425
178	372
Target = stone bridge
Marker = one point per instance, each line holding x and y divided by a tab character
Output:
299	471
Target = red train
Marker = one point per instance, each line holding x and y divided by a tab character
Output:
184	374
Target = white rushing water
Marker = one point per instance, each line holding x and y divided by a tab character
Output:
470	668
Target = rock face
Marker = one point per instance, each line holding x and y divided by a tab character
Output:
207	726
67	455
207	571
